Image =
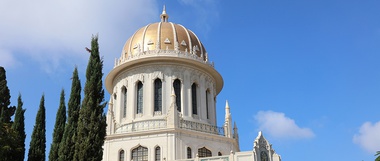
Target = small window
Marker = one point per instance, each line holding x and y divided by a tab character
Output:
188	153
204	152
263	156
139	98
157	154
140	154
121	155
219	154
207	109
124	91
194	98
157	95
177	92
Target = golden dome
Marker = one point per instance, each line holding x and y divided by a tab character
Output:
164	42
164	35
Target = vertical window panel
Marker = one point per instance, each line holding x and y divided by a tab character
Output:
157	154
139	98
121	155
157	95
194	98
177	92
207	112
124	102
188	153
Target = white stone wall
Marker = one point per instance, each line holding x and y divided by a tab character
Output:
167	73
173	145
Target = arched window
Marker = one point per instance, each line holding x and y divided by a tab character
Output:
194	98
188	153
124	91
121	155
157	154
263	156
219	154
140	154
177	92
157	95
139	97
207	95
204	152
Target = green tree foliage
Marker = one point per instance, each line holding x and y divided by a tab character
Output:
59	128
37	144
19	127
6	111
67	146
8	136
7	140
378	156
92	120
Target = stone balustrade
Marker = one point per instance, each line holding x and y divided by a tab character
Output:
141	126
162	123
185	124
155	53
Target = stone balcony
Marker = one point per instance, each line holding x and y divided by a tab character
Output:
148	125
158	53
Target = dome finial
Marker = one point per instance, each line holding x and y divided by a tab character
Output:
164	16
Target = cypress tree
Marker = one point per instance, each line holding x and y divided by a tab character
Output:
67	146
59	128
6	111
37	144
19	127
3	134
7	134
92	120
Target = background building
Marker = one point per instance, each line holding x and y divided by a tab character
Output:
163	101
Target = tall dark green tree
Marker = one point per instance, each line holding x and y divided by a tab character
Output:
5	97
67	146
59	128
7	141
92	120
7	134
19	127
37	146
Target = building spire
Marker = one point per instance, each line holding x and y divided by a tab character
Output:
227	111
164	16
228	122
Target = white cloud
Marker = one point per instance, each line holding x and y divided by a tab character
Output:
278	125
51	31
369	137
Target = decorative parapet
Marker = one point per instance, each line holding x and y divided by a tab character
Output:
163	123
196	126
233	156
141	126
155	53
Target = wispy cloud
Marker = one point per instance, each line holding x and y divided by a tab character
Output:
6	59
278	125
51	31
368	137
206	13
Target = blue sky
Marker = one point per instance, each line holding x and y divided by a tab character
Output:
306	73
